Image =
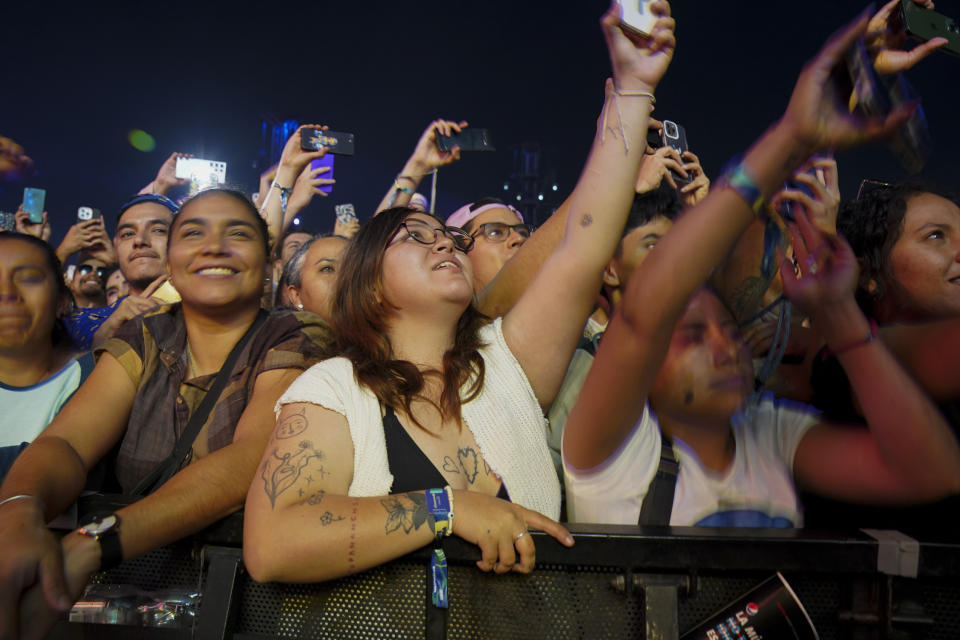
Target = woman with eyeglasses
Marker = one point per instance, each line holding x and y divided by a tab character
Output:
431	423
498	231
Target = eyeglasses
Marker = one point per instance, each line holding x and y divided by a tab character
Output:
500	231
425	234
84	269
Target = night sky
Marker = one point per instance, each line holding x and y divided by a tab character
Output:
76	78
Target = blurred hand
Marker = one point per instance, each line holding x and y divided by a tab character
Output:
37	229
266	179
638	63
818	117
499	528
825	271
699	185
84	234
346	229
823	206
100	246
885	38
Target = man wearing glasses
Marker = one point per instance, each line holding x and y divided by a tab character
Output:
498	231
87	284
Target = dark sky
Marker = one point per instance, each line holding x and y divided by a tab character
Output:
76	78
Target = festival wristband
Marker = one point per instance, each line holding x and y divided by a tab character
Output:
440	507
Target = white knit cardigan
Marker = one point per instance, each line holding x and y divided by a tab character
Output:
505	419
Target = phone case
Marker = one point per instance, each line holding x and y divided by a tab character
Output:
88	213
337	142
636	16
325	161
33	200
674	135
345	213
467	140
201	171
927	24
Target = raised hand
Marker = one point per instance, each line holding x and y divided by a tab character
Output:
294	158
825	269
818	117
427	154
37	229
822	207
699	185
167	175
307	185
638	63
885	38
656	167
499	528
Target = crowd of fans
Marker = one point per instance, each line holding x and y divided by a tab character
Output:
662	350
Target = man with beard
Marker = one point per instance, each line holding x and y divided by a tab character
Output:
87	284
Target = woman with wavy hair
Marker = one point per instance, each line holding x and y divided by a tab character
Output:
433	409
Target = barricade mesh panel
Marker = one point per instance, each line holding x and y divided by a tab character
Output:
175	565
941	601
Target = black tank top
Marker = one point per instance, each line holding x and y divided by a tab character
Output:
411	469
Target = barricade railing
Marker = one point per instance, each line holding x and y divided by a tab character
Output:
616	582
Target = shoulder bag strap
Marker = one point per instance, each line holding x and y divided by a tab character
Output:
169	466
658	503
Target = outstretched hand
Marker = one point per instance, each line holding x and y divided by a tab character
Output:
825	271
293	156
427	154
639	62
885	38
38	229
499	528
822	207
818	117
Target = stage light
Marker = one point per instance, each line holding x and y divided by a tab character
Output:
540	197
141	140
296	221
518	197
555	187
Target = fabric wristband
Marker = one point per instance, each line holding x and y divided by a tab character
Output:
735	177
440	507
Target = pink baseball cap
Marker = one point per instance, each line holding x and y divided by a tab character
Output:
468	212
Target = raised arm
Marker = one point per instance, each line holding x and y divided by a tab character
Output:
907	453
544	341
424	160
301	490
638	337
293	160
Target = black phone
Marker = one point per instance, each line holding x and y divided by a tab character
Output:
338	142
927	24
674	135
467	140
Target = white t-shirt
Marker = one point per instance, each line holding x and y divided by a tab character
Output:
756	491
28	410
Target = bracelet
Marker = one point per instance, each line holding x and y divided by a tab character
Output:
870	337
736	178
616	105
407	190
410	178
23	496
440	507
284	196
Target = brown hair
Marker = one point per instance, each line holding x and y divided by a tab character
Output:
360	318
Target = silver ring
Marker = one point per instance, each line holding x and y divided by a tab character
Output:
520	535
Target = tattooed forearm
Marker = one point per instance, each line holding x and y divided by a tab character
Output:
586	220
282	470
352	548
314	499
407	511
328	518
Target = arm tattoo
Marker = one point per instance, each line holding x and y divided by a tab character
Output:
281	471
291	426
449	465
407	511
586	220
469	462
352	548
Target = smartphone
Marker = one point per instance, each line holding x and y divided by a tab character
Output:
927	24
325	161
8	221
345	213
467	140
674	135
88	213
337	142
33	201
636	16
876	97
201	171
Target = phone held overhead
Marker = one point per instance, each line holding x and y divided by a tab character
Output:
337	142
33	203
467	140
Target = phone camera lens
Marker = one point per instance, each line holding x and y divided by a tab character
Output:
671	129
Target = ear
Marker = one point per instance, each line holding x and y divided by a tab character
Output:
610	276
293	295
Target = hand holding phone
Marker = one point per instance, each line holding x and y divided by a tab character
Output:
201	172
636	16
467	140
